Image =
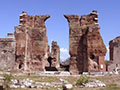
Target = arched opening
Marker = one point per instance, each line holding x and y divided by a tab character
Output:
50	67
95	67
50	61
20	66
92	56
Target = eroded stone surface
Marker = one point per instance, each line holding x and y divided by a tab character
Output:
86	46
55	54
87	49
114	63
7	52
53	61
31	42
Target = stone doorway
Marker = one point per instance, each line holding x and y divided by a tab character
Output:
20	65
50	67
50	61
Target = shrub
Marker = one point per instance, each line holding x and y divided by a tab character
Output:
83	79
7	80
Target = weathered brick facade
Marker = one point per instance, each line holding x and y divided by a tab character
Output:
29	50
55	54
114	46
7	52
86	46
31	43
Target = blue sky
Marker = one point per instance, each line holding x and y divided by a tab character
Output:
57	25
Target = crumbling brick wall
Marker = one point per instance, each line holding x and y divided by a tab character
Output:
31	42
7	52
114	46
55	54
86	47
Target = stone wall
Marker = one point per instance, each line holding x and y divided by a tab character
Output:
7	52
86	47
114	46
55	54
31	43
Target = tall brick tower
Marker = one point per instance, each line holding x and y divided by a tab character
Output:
86	47
55	54
31	42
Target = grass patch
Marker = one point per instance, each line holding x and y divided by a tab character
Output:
47	79
83	79
38	78
111	87
20	89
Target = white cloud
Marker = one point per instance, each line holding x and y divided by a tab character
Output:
64	54
107	48
62	58
63	50
107	54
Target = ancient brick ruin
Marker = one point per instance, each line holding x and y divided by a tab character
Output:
86	47
114	46
7	52
53	58
55	54
29	50
31	43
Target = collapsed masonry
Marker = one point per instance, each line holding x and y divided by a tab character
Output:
7	52
53	58
114	63
55	54
86	47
